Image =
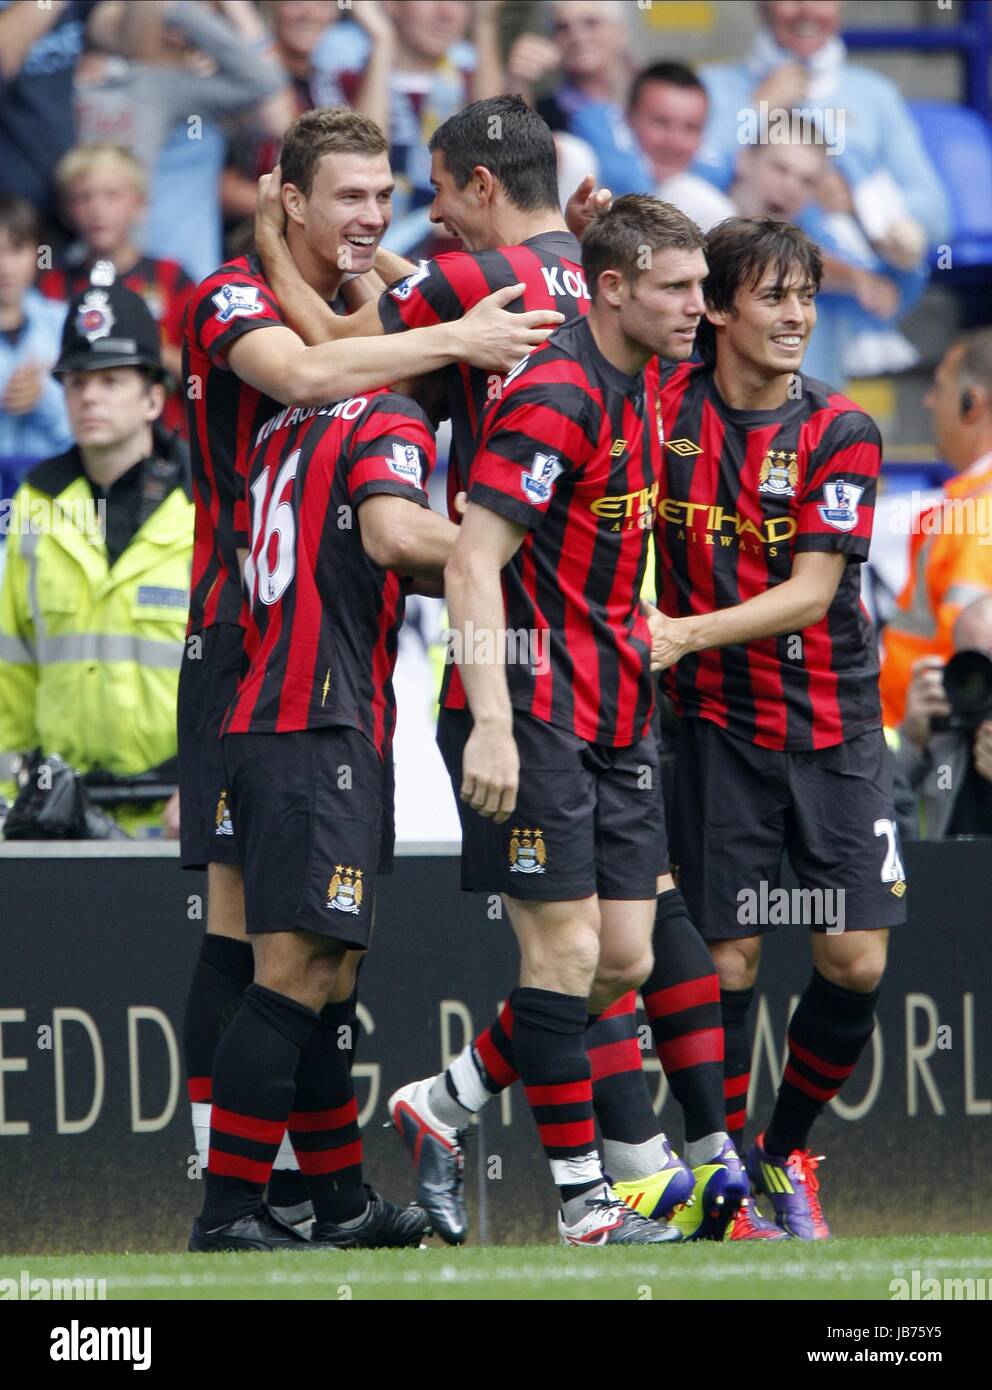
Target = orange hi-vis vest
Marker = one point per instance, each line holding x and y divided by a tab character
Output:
950	565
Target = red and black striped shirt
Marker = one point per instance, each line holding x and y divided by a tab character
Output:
572	451
324	619
742	493
163	285
444	289
224	415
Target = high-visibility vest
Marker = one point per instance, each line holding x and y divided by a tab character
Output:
89	652
950	565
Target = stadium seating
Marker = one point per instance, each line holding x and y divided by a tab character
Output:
959	141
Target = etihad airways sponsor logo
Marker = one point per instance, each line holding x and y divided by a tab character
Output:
716	521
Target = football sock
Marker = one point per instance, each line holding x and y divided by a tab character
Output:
704	1150
682	1002
323	1125
633	1144
549	1049
254	1072
223	972
734	1006
480	1071
827	1035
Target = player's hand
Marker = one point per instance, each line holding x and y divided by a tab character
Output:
24	387
586	203
531	58
925	699
492	338
834	194
786	87
170	817
983	750
876	294
669	637
491	771
460	503
270	215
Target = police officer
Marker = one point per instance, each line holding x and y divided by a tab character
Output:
94	599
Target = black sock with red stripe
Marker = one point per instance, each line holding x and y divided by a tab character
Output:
633	1144
734	1006
323	1125
549	1049
682	1002
254	1072
479	1072
827	1035
223	972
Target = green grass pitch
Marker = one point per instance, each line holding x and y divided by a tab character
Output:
837	1269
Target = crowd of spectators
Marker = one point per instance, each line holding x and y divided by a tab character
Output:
134	133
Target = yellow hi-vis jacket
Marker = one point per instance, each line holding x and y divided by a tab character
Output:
89	653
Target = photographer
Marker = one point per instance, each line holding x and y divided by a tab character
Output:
944	752
95	592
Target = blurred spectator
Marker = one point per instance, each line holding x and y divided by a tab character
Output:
412	68
944	746
783	181
950	552
102	188
311	61
33	419
798	60
591	43
667	115
212	63
93	609
39	46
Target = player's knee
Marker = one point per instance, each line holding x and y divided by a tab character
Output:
736	963
861	973
615	976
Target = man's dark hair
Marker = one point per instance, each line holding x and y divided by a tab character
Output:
326	130
506	137
675	74
19	220
635	224
739	251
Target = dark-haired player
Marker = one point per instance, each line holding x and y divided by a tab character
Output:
337	505
337	198
495	178
764	518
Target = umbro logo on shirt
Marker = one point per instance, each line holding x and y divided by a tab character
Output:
685	448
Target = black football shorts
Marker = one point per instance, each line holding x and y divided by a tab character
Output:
737	807
311	810
208	680
589	818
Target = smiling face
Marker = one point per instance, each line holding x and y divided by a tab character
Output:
803	26
660	310
462	212
589	37
430	27
668	124
770	324
348	210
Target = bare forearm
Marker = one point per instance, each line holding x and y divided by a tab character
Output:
20	28
477	620
787	608
372	97
332	371
487	81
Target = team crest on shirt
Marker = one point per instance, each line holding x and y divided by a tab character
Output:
839	508
528	853
779	473
237	302
344	892
538	481
94	317
406	287
222	816
405	463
